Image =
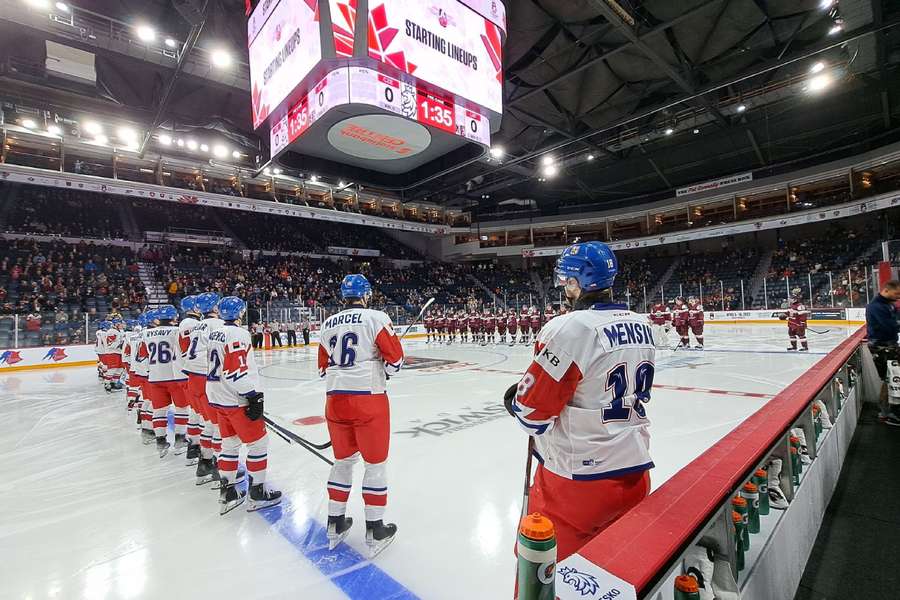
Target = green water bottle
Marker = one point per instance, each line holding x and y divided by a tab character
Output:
817	425
739	505
761	479
750	493
796	465
686	588
738	521
537	558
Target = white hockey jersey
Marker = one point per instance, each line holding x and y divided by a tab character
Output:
583	396
98	343
129	348
140	364
163	357
357	349
195	359
185	327
232	371
112	341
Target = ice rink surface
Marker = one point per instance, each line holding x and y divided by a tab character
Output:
88	512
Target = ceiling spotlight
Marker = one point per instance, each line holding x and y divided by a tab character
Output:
101	139
28	123
145	33
497	152
165	139
836	28
590	157
126	134
54	130
277	171
550	171
235	154
220	58
171	43
204	147
696	131
816	68
819	83
826	4
38	4
62	7
669	131
192	145
180	143
341	184
313	178
92	128
220	151
741	108
267	171
546	160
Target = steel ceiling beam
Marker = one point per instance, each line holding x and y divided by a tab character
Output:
609	54
192	38
607	11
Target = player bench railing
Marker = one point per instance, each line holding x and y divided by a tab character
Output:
641	554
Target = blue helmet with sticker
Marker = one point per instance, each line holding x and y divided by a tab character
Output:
592	264
144	319
355	286
132	323
166	312
232	308
104	325
189	305
206	302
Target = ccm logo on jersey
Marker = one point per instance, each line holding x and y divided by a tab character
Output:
555	362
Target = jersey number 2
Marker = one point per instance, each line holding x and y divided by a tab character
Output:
617	382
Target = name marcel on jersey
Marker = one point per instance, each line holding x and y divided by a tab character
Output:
342	319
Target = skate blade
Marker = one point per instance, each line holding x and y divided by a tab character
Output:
336	538
192	462
164	452
148	442
203	480
180	451
377	548
255	505
230	506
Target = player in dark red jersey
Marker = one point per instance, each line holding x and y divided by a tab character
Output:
429	329
501	327
797	316
696	320
661	319
463	327
681	317
524	326
535	322
549	313
452	327
440	324
512	323
475	326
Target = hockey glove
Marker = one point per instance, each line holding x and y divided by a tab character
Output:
254	408
509	397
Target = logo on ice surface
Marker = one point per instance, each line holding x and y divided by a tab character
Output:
582	582
10	357
55	354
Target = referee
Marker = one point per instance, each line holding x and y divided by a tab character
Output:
882	329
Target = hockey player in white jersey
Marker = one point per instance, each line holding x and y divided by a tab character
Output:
358	352
582	399
196	366
113	341
233	390
129	352
166	379
102	327
190	320
140	364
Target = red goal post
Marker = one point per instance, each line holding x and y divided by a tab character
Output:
641	553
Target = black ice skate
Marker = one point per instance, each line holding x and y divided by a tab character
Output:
220	482
206	471
338	529
261	498
791	349
230	498
193	454
162	446
180	444
147	436
804	349
379	536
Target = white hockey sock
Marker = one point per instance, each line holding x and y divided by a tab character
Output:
206	449
340	481
257	459
228	458
374	490
193	427
160	421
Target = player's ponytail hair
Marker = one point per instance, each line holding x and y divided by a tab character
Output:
588	299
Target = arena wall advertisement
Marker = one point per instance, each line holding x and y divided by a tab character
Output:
442	42
284	47
714	185
46	358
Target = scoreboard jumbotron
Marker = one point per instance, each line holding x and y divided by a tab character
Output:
387	92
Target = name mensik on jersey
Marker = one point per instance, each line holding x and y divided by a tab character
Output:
619	334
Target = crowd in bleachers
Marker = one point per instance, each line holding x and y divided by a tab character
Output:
64	212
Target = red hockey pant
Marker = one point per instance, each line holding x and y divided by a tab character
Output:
237	428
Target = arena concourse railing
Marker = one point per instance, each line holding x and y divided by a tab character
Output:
692	515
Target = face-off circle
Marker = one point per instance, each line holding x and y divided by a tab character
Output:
379	137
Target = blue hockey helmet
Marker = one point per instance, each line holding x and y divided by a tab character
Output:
104	325
232	308
592	264
166	312
206	302
355	286
189	305
132	323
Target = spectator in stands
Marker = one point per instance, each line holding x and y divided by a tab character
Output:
882	329
33	321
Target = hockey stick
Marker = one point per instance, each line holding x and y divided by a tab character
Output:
285	430
418	317
292	438
816	331
527	491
